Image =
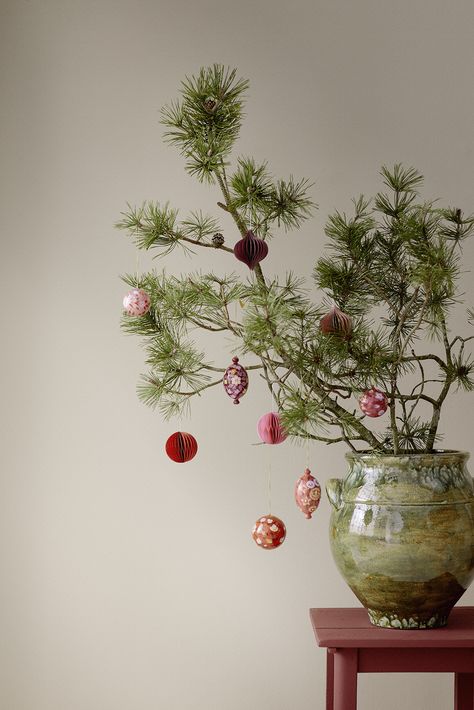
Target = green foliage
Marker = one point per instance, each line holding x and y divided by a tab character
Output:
392	265
206	122
268	202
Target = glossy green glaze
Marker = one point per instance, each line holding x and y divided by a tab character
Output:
402	535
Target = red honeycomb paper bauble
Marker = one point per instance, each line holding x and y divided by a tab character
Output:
373	402
181	447
270	429
251	250
236	380
269	532
137	302
307	493
336	323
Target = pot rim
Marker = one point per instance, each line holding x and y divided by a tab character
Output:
437	454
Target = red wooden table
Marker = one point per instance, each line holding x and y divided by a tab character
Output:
355	646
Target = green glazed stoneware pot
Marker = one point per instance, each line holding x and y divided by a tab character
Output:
402	535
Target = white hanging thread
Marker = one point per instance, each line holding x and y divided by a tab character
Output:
249	192
269	462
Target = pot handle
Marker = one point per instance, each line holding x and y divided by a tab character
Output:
334	492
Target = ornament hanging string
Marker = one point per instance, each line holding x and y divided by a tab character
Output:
269	461
249	192
269	483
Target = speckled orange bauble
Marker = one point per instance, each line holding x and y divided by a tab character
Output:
269	532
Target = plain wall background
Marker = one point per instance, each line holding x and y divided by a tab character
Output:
127	582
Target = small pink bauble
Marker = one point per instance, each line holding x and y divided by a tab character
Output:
373	402
270	429
137	302
236	380
307	493
269	532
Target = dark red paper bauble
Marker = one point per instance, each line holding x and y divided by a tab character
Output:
373	402
251	250
269	532
181	447
336	323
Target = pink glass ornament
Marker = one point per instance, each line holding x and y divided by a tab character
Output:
236	380
251	250
307	493
137	302
336	323
373	402
269	532
270	429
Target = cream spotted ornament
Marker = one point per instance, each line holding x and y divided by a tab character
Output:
137	302
269	532
373	402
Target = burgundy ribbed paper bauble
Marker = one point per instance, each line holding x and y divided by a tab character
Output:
270	429
373	402
236	380
336	323
251	250
181	447
269	532
307	493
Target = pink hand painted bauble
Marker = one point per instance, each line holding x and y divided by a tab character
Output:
269	532
336	323
137	302
270	429
251	250
236	380
373	402
307	493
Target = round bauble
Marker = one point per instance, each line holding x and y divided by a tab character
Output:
373	402
137	302
235	380
336	323
270	429
181	447
251	250
269	532
307	493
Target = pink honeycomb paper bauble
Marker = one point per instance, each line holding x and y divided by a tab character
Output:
373	402
137	302
270	429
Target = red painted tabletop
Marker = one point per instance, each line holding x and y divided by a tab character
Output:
350	628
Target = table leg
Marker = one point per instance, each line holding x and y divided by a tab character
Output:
345	679
330	679
463	691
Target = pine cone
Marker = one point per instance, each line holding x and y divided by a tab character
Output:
218	240
210	104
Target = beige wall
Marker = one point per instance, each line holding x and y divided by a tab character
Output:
128	583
